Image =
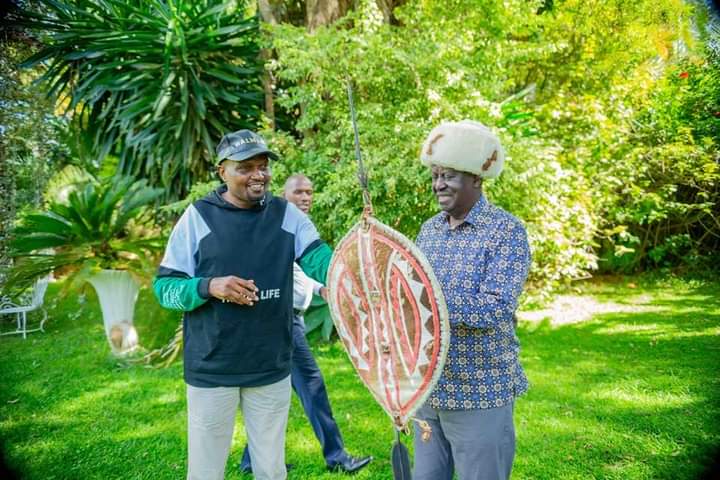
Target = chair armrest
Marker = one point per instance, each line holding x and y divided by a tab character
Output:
5	303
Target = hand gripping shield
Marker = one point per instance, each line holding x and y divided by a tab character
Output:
390	314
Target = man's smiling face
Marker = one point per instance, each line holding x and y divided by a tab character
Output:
456	191
248	180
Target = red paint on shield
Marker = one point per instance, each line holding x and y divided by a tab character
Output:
390	315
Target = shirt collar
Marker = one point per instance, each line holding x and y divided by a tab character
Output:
477	212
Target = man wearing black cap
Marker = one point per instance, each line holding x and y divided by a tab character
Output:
229	266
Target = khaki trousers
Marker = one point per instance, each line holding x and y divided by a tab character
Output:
211	420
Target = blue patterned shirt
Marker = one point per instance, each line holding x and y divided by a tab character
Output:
481	265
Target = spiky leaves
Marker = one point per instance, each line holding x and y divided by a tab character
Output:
155	81
98	227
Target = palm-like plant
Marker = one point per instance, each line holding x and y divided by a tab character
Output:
156	81
91	231
97	235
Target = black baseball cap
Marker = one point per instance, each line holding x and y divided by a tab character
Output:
242	145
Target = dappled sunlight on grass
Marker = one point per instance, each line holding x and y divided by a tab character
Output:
623	395
91	400
635	397
168	398
631	328
568	309
659	332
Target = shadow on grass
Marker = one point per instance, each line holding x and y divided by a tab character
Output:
68	410
623	396
631	395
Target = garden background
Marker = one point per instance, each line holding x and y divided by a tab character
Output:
610	114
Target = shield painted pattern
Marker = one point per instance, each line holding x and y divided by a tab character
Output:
390	314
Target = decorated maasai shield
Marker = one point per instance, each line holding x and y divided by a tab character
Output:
390	314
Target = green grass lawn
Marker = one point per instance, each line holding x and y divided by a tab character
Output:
629	393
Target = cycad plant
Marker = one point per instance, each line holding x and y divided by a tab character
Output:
157	82
99	226
99	235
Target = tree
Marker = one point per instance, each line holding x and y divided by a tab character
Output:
30	133
558	85
156	82
311	14
325	12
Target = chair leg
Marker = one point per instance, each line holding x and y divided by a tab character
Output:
21	324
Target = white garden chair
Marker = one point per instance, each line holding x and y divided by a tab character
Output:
38	298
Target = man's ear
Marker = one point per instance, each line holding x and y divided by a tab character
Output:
221	171
477	181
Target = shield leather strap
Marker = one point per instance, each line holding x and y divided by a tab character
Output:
390	314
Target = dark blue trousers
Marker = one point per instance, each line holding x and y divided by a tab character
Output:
308	383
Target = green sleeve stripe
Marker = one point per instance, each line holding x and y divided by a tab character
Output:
316	262
176	293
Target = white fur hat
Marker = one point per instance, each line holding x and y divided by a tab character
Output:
466	146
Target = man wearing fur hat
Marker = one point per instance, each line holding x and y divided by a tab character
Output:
481	257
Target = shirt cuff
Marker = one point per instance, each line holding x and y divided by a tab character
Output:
203	287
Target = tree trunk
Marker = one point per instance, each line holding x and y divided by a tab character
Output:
282	11
314	13
269	13
267	83
325	12
387	7
7	210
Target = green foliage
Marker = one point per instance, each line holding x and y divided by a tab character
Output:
103	224
406	81
662	189
65	181
197	191
29	134
556	207
565	85
157	82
